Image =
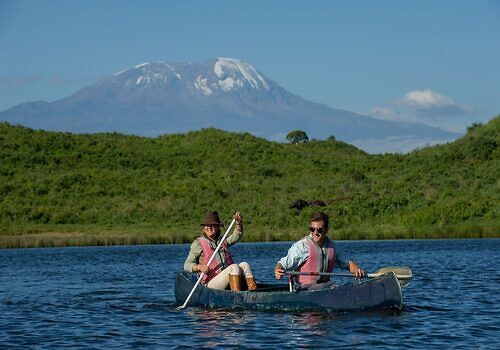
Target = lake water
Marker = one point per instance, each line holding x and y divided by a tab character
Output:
123	297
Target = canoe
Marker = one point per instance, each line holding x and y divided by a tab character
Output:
380	292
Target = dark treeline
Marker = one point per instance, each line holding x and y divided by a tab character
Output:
62	188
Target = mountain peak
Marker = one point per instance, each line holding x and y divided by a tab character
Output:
233	72
221	74
147	73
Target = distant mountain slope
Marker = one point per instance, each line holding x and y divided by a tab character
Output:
151	99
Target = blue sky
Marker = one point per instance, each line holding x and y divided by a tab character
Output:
429	61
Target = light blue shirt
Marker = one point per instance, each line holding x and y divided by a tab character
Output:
299	252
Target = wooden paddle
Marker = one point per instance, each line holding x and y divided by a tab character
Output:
401	272
208	264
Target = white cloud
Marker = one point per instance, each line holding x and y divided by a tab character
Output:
431	104
426	99
384	112
428	107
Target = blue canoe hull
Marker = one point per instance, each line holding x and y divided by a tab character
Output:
381	292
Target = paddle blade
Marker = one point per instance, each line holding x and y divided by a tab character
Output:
401	272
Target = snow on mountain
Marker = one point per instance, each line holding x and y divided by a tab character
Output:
201	84
164	97
229	69
228	74
148	73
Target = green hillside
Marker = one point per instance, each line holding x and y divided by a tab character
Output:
67	189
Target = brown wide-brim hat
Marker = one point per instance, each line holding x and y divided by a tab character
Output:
212	218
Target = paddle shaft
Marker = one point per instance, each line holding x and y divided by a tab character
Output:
314	273
400	272
208	264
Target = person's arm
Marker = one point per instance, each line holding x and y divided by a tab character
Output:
355	269
345	264
279	271
340	260
195	251
235	237
297	254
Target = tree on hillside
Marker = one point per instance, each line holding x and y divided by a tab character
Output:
297	136
474	126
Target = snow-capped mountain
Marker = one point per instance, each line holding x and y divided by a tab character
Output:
150	99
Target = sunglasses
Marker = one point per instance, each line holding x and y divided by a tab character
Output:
320	230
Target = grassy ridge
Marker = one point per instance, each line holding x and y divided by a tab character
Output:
68	189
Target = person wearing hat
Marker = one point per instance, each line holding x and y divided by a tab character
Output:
315	253
222	271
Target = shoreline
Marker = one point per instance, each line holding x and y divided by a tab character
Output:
47	239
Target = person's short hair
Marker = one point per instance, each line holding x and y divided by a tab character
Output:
320	216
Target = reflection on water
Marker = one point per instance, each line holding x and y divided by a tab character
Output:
314	322
211	319
122	297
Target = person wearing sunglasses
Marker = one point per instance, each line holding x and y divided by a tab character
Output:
222	270
315	253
